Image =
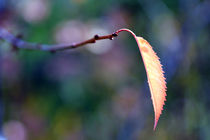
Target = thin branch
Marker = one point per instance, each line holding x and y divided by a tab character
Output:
18	43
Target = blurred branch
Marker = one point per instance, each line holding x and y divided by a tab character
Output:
18	43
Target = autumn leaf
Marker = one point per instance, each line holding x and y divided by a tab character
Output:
155	76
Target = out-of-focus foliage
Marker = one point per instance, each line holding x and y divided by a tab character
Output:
99	91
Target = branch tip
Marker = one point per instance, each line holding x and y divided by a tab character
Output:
114	34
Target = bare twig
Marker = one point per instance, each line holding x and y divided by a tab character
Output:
18	43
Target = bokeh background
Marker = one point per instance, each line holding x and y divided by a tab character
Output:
100	91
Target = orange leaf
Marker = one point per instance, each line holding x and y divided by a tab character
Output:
155	74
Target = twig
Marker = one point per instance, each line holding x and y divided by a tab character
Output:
18	43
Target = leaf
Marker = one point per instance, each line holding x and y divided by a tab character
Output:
155	75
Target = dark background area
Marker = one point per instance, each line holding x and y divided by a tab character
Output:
100	91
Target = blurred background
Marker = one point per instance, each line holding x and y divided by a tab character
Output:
100	91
